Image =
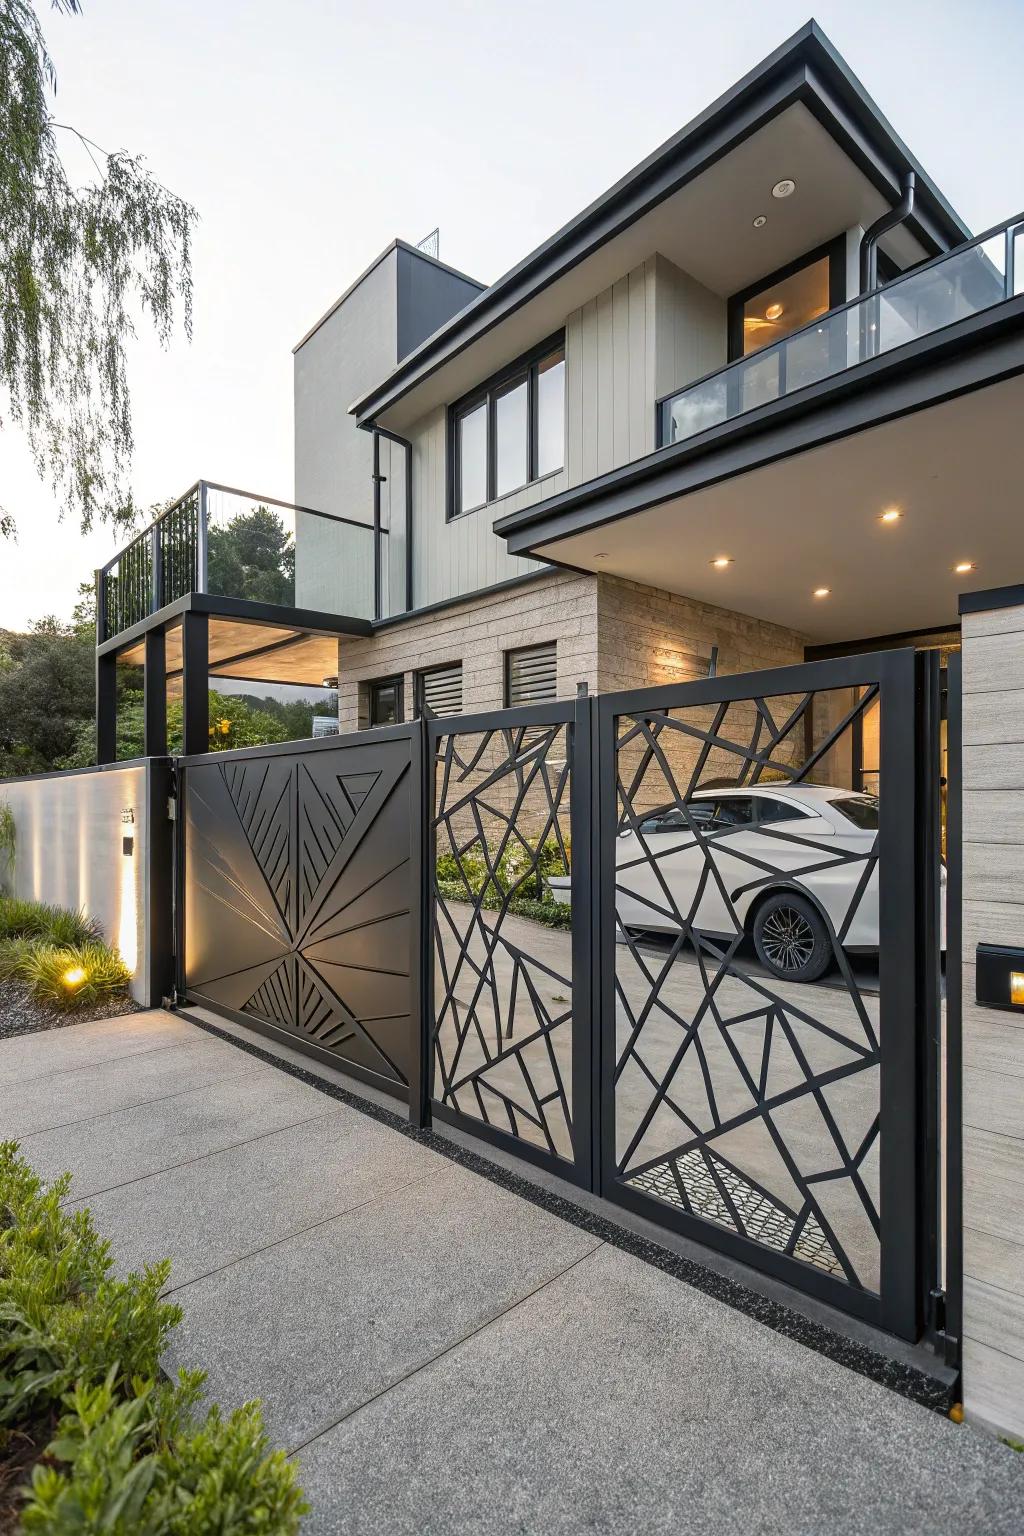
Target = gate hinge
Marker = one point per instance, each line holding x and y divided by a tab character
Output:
937	1310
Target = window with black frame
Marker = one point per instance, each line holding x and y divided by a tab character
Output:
508	432
385	701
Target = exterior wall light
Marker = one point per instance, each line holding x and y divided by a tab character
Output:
1017	988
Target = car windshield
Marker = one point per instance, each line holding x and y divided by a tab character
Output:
862	810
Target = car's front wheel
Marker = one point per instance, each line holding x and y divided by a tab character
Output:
791	938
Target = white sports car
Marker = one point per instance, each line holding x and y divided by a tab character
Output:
774	860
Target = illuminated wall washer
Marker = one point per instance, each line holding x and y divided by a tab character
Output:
999	977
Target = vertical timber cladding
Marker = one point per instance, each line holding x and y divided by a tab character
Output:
302	908
762	1022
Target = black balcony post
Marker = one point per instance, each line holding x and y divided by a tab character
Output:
155	695
106	708
203	541
195	682
377	480
156	568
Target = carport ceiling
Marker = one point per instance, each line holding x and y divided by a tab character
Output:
813	520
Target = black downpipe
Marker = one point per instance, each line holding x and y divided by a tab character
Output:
377	582
403	442
869	240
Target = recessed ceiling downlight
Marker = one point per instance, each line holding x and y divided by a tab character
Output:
891	515
774	312
962	567
721	561
784	188
761	221
823	592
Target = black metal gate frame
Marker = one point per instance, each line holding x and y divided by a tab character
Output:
908	977
908	959
909	983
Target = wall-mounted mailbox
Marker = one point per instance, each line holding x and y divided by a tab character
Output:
999	977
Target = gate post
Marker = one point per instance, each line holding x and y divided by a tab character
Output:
421	853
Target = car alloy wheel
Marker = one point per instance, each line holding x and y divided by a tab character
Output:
787	939
791	939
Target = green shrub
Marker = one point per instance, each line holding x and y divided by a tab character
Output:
37	920
14	957
521	871
73	976
142	1467
553	914
62	1317
124	1454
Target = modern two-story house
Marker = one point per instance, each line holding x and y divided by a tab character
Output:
756	406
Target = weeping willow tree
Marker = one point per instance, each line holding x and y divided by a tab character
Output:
78	263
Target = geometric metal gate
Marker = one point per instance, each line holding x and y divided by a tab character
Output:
509	1027
301	908
763	1004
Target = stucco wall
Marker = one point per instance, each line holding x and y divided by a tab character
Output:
993	1041
69	836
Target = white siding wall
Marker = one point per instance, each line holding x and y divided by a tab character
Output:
650	332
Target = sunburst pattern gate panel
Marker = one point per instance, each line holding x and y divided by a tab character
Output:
506	1059
759	1006
301	895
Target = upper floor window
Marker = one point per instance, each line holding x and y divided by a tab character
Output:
787	300
508	432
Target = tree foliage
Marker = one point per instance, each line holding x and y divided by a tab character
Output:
252	556
76	265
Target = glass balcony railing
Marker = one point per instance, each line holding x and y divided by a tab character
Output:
964	282
229	543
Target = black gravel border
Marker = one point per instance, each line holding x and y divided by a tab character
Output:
900	1376
21	1014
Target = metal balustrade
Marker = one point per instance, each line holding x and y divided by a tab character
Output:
230	543
954	286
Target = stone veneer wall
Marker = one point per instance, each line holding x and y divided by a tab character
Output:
609	633
560	606
993	1041
647	637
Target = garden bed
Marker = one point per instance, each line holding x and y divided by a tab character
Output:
22	1014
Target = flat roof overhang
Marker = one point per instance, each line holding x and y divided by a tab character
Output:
805	72
792	492
261	642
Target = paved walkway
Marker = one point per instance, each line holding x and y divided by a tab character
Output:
443	1356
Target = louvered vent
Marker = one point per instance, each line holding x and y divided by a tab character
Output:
532	677
441	690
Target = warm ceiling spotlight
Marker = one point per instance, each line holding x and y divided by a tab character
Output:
891	515
774	312
822	591
721	561
761	221
784	188
963	566
602	554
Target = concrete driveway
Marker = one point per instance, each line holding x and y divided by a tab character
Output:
444	1356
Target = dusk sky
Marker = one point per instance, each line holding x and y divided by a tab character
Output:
308	135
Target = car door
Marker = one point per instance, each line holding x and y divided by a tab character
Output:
677	867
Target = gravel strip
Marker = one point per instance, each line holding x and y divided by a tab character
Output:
20	1014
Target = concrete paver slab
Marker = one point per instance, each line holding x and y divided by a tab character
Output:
79	1045
147	1138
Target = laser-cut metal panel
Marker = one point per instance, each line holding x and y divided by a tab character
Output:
301	899
503	974
770	1112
